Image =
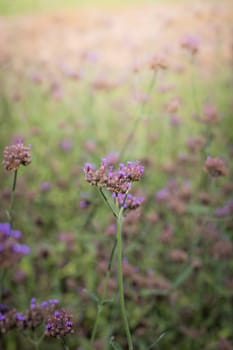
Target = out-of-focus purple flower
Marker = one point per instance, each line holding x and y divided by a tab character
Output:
11	248
5	228
90	146
226	210
53	301
3	309
66	145
2	317
216	166
210	114
56	91
21	248
175	120
191	43
111	229
112	158
46	303
16	234
45	186
90	56
162	194
43	303
84	203
33	303
20	317
36	77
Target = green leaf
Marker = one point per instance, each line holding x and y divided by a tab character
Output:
94	297
157	340
182	277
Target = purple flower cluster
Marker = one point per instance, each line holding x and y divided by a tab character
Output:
59	324
30	319
128	201
7	321
191	43
216	166
11	250
115	180
16	155
226	210
175	196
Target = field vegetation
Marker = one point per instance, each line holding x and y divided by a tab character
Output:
116	192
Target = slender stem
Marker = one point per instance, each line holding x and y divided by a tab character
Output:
106	200
35	341
193	86
120	279
2	277
12	197
65	346
37	345
137	119
100	305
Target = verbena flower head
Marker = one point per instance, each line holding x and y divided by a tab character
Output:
158	62
190	43
11	249
216	167
33	317
115	180
59	324
210	114
16	155
128	201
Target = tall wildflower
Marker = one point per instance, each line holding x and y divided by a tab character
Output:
118	181
16	155
13	156
115	180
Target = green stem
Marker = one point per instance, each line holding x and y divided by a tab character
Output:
137	119
120	279
65	346
12	197
100	305
107	202
2	277
193	87
35	341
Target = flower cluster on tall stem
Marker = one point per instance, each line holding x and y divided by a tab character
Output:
119	182
14	156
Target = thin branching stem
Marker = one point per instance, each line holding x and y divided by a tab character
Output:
65	346
12	197
138	118
100	305
107	202
120	279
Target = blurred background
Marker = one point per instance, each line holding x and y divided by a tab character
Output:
126	80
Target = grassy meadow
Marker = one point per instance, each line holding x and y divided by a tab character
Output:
79	85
